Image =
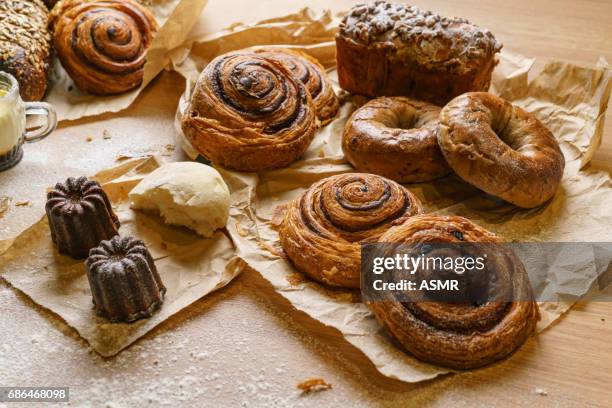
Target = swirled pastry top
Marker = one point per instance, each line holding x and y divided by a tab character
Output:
452	44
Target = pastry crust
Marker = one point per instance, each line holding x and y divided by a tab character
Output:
313	75
395	137
249	113
501	149
25	45
102	44
323	230
460	335
388	49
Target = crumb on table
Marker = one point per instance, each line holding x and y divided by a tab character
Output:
314	385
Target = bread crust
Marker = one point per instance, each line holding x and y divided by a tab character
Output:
388	49
395	137
25	46
501	149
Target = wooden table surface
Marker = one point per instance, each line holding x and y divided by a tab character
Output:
245	345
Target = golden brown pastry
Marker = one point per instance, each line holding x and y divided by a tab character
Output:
313	75
395	137
461	335
501	149
323	229
25	45
390	49
102	44
249	113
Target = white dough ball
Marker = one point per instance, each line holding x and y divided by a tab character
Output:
189	194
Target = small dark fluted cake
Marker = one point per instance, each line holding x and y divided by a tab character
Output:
124	281
80	216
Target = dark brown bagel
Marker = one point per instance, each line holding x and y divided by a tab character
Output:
395	137
501	149
461	335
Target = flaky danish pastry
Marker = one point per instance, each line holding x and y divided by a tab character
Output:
501	149
249	113
461	334
102	44
395	137
313	75
323	229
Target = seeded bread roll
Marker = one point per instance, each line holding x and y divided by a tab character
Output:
387	49
25	45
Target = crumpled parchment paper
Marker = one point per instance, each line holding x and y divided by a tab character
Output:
190	267
570	100
175	19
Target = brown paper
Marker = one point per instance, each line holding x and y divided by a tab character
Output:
570	100
175	18
190	267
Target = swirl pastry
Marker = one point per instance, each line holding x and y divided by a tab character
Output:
102	44
395	137
459	334
500	149
323	229
313	75
249	113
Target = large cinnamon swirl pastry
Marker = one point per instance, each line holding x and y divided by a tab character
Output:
458	333
249	113
323	229
312	74
102	44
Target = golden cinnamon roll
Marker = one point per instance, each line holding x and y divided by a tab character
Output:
395	137
323	230
249	113
102	44
460	334
313	75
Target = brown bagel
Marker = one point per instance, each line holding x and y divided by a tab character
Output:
461	335
395	137
500	149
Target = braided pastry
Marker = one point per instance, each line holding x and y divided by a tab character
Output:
323	229
460	334
313	75
395	137
500	149
102	44
249	113
25	45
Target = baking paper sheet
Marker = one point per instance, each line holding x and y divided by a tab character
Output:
570	100
175	18
190	266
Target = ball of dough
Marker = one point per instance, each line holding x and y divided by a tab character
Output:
189	194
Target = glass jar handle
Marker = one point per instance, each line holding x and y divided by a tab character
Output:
40	109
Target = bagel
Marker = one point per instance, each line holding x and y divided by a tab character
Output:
395	137
500	149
